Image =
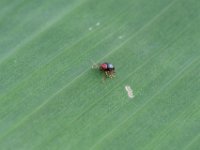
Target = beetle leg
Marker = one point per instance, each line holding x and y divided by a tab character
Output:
110	75
95	66
107	74
113	73
104	78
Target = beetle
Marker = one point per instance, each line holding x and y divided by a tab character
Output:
108	69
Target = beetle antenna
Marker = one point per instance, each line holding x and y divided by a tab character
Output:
95	65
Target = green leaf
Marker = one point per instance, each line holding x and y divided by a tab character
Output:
52	99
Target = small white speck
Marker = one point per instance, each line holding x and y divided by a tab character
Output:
90	29
98	23
129	91
120	37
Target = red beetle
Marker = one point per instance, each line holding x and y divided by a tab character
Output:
108	69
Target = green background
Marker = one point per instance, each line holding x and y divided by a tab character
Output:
51	99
